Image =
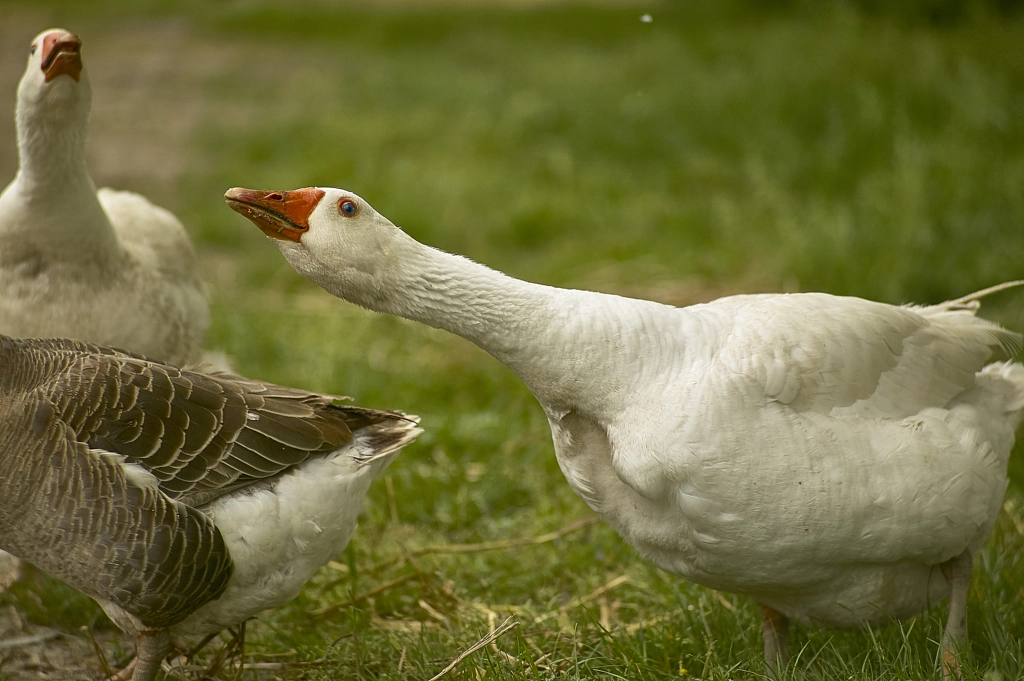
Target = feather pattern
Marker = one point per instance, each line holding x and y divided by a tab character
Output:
136	481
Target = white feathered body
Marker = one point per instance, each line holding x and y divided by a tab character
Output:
824	455
821	454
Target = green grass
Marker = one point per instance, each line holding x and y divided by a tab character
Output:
720	148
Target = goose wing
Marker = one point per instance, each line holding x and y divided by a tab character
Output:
848	356
201	435
101	523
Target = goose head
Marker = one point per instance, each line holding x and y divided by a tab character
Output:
332	237
53	97
54	80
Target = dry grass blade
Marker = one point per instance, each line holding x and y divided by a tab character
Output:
977	295
376	591
492	617
282	666
29	640
252	666
636	626
433	612
483	546
507	543
583	600
104	665
502	629
717	595
241	651
194	650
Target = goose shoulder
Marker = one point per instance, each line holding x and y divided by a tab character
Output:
153	235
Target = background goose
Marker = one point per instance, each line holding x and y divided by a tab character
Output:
836	459
106	267
183	502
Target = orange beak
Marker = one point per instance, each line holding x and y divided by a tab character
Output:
281	215
61	55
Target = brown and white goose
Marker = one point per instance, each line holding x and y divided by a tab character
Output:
106	267
183	502
836	459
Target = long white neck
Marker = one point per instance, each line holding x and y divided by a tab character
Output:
51	152
52	199
566	345
493	310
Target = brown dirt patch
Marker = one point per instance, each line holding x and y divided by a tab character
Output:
32	652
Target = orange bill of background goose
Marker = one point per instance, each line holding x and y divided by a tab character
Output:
183	502
105	267
836	459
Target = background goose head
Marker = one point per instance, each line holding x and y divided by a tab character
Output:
55	85
54	99
334	238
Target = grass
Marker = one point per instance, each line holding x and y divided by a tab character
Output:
722	147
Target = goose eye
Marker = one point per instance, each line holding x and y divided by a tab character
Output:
32	49
347	207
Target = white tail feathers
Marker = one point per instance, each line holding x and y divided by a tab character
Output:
1012	375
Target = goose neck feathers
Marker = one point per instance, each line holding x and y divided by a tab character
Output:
51	205
548	336
52	118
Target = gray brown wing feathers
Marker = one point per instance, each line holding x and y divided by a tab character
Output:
199	435
75	513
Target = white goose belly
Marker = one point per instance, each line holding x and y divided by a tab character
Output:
125	306
830	522
820	594
278	537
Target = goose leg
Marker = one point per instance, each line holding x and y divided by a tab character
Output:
776	639
151	647
958	573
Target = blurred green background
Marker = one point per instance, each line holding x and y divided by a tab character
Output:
669	150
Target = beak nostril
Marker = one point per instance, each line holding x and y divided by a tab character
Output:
274	196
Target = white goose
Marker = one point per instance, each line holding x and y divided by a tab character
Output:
836	459
106	267
183	502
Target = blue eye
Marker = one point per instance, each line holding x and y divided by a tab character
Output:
348	207
32	50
